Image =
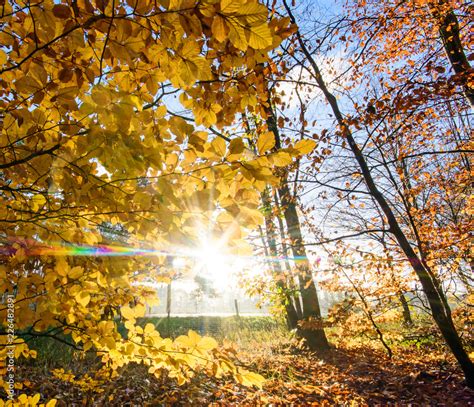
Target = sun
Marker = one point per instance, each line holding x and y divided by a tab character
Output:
209	255
214	262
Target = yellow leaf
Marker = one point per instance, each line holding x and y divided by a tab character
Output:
225	217
281	159
172	161
219	28
61	267
236	148
127	312
109	342
253	12
218	144
191	340
83	298
194	337
188	71
101	96
248	100
265	142
27	84
181	379
161	111
75	272
251	379
38	202
3	57
237	34
34	400
139	310
207	343
51	403
260	37
252	216
231	6
305	146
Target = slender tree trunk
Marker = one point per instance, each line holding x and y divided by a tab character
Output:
431	286
315	337
297	300
284	248
405	309
292	317
466	278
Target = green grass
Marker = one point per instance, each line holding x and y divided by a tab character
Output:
231	328
53	354
245	331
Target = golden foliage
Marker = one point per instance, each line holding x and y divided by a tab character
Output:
91	152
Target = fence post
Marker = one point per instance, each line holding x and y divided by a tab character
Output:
236	308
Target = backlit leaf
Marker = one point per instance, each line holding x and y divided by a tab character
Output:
265	142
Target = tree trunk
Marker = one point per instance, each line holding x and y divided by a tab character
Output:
315	337
431	286
292	317
449	32
284	248
406	310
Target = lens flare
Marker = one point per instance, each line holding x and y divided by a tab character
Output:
34	248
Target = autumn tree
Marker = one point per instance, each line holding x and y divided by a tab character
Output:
406	90
92	134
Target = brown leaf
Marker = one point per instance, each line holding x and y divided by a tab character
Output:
61	11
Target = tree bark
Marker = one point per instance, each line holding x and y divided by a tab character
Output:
431	286
405	309
292	317
284	248
449	32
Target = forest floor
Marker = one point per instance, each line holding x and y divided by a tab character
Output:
346	375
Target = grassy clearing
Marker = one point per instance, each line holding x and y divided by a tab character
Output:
243	330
